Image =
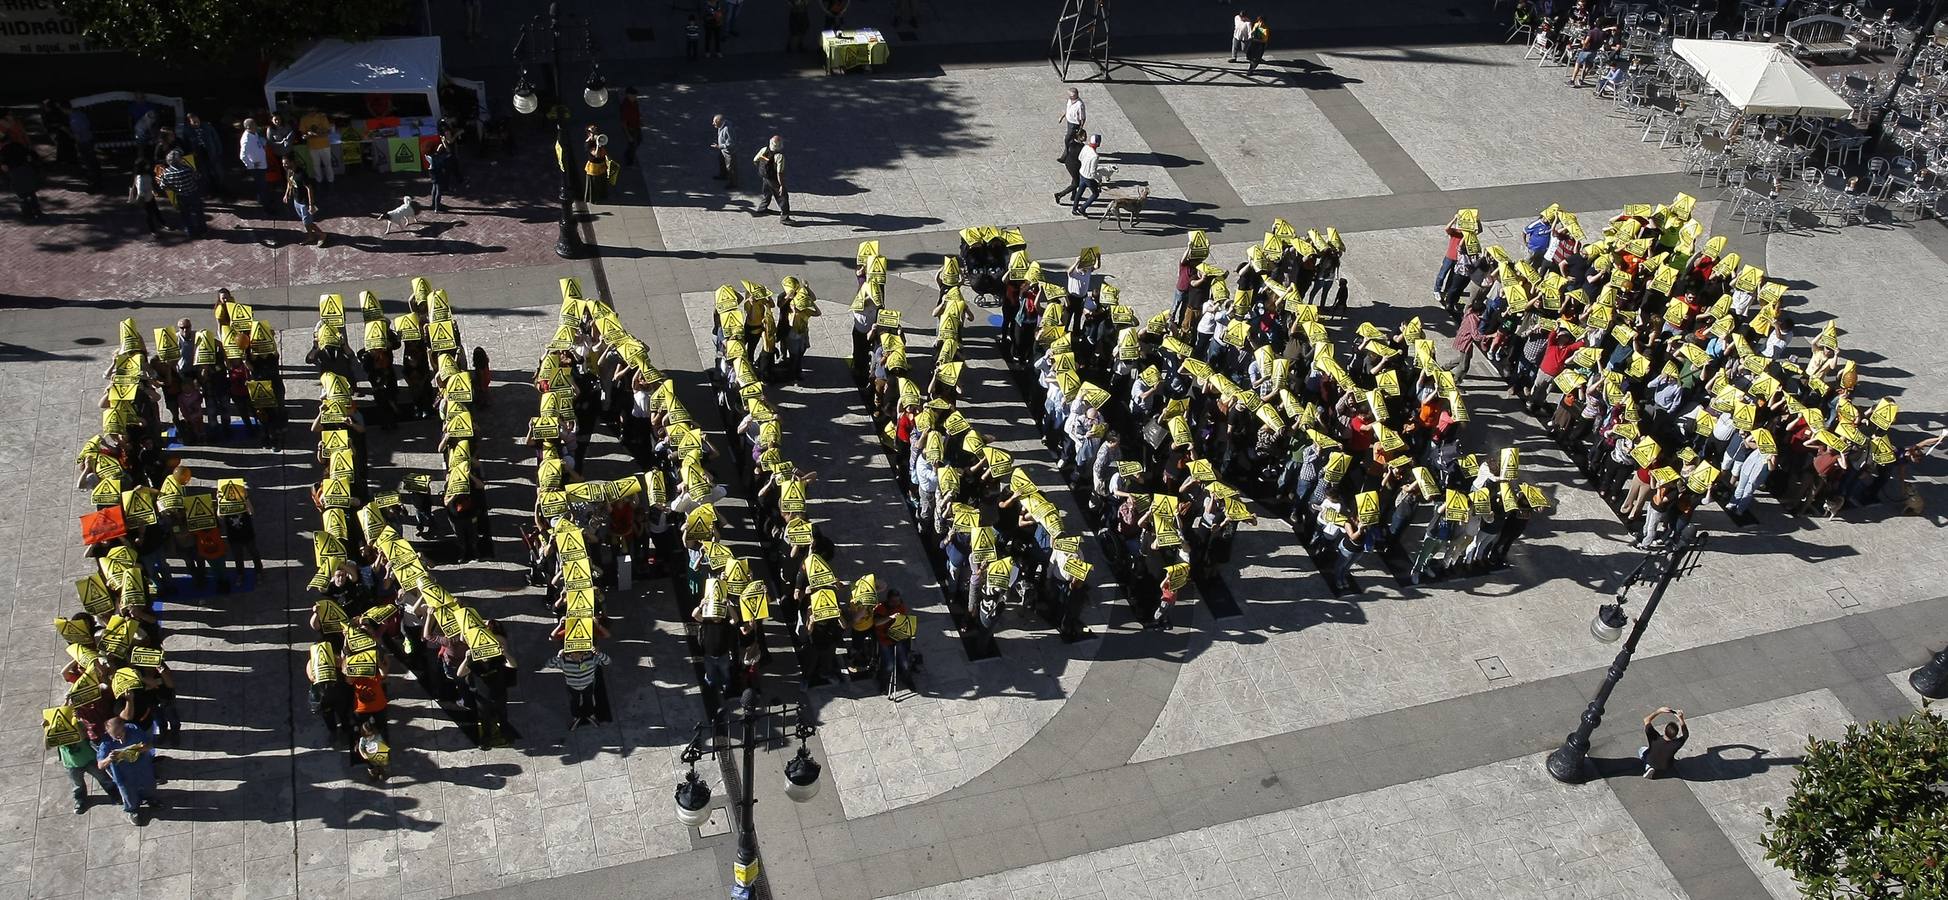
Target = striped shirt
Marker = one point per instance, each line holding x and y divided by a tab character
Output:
183	180
580	673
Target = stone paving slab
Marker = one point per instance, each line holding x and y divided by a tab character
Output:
1480	115
1907	690
1272	145
1741	761
1500	830
872	158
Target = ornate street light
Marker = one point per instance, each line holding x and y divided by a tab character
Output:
548	27
693	796
1570	762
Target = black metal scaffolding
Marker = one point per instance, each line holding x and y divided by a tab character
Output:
1081	33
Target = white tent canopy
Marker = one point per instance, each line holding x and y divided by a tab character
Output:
1761	79
407	65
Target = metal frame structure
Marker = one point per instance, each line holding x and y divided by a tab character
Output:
1082	28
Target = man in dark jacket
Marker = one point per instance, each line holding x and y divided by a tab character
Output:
204	140
1072	160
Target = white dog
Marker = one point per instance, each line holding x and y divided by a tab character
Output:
405	214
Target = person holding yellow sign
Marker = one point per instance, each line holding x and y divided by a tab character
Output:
581	671
893	627
489	670
125	751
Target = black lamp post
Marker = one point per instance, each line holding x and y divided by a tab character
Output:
693	796
1931	680
1570	762
568	241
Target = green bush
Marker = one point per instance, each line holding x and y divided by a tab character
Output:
203	31
1868	815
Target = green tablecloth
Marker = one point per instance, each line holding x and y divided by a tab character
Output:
847	49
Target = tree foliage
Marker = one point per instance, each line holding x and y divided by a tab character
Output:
1868	815
201	31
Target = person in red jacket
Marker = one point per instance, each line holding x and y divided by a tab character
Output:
1447	262
1555	353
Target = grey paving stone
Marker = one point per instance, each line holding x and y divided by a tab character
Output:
1743	760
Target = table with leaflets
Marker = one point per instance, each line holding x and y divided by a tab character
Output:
854	48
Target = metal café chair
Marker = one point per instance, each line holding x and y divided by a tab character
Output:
1521	28
1658	120
1734	185
1758	210
1920	201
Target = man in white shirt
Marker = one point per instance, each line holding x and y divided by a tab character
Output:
1075	114
1091	188
1240	34
250	152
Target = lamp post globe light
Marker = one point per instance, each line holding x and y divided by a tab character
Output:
692	800
1607	624
801	776
596	92
693	796
1570	762
547	51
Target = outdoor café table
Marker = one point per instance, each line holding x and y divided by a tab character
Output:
851	49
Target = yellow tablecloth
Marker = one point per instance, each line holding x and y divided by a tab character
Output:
847	49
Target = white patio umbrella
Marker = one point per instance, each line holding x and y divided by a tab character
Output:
1761	79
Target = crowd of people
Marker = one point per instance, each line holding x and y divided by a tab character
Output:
380	609
1670	370
120	703
760	340
1168	424
1004	544
589	535
285	162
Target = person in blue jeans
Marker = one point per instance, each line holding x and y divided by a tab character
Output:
1091	186
439	165
1447	262
127	753
1351	544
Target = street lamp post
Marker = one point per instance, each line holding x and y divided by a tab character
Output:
1570	762
568	240
693	796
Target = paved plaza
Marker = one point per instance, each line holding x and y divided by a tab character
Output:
1280	741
